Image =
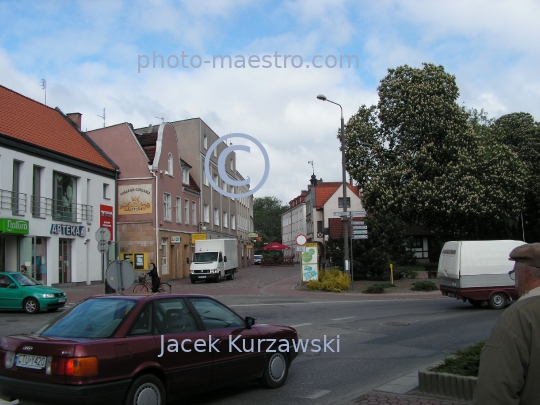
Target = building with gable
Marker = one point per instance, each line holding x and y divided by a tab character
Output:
57	189
158	198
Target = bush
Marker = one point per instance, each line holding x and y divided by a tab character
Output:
385	285
330	280
374	289
424	286
463	362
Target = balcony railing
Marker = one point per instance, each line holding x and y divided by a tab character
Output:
61	210
12	201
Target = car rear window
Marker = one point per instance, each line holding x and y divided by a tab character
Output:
91	319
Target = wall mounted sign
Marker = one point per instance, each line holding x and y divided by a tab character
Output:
106	218
135	199
68	230
175	239
14	226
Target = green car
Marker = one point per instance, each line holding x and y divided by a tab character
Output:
18	291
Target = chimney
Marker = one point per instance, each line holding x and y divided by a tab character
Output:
76	118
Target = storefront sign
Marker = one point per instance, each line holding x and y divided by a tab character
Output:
14	226
197	236
106	218
68	230
175	239
135	199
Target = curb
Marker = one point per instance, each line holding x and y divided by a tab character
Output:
447	385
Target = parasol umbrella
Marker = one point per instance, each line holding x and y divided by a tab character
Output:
275	246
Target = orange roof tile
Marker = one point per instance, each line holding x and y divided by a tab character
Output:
29	121
325	190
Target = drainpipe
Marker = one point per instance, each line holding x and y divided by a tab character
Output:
117	244
157	223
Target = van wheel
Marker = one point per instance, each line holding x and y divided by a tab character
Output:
231	275
497	301
218	278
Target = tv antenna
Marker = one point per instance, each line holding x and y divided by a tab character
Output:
161	118
44	87
103	116
311	163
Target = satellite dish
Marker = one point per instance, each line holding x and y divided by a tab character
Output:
120	275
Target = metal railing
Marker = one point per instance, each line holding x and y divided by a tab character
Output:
61	210
13	201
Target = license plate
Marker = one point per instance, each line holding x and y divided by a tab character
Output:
61	300
30	361
202	276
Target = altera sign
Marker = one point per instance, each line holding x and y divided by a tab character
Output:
14	226
68	230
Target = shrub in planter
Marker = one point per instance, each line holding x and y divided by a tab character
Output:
424	286
464	362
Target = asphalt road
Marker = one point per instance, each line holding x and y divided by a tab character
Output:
379	340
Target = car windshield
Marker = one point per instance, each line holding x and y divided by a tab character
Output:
92	319
258	256
24	280
202	257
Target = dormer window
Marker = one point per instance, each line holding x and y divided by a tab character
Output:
185	176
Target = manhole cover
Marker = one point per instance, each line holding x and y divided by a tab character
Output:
397	323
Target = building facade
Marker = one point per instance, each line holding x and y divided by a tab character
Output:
293	223
56	190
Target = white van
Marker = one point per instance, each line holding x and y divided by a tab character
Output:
477	271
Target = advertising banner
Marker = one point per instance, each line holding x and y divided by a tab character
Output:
106	218
135	199
310	270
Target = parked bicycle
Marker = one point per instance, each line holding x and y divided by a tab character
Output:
145	286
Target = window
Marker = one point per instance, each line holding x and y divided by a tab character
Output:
36	192
205	142
340	202
185	176
170	164
225	220
186	212
215	152
143	326
215	315
232	165
206	209
232	192
65	197
178	210
173	316
106	191
193	212
166	206
205	179
233	221
216	180
216	216
319	226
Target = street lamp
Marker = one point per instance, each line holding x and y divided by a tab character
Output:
201	227
344	218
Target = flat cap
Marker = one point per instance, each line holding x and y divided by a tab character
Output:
528	254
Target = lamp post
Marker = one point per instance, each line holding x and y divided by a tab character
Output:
344	218
201	227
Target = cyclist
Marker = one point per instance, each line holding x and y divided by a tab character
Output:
153	273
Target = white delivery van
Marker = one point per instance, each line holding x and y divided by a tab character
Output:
477	271
214	259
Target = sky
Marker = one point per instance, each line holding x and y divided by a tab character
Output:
144	61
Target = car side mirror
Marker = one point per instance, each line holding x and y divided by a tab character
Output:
249	321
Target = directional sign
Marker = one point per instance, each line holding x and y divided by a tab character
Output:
341	214
360	232
359	227
103	234
359	237
359	213
357	223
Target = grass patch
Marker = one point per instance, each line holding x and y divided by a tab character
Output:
464	362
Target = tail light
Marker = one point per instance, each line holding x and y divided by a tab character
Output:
9	359
76	367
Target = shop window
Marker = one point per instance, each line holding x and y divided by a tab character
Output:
65	197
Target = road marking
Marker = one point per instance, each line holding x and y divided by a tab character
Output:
340	319
293	303
316	394
301	324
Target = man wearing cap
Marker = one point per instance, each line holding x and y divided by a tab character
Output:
510	361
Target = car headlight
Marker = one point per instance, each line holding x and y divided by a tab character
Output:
48	295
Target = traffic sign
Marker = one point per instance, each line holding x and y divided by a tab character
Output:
341	214
103	246
359	227
359	213
360	232
357	223
301	239
300	248
103	234
359	237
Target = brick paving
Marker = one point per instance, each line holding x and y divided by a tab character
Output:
382	398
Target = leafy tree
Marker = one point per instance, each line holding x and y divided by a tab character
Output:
416	156
267	219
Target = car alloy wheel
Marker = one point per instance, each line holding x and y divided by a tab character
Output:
31	306
275	371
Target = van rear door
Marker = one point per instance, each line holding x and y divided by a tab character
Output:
449	260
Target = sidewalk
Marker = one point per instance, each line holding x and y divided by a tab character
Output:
402	391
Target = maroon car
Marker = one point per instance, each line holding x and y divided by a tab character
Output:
142	350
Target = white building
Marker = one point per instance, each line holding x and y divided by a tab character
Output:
56	190
293	223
